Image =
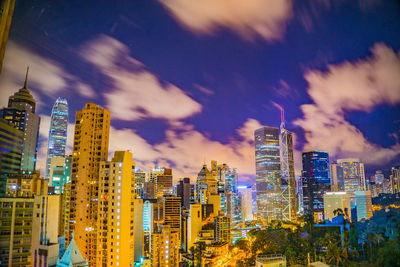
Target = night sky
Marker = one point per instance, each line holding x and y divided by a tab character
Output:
189	81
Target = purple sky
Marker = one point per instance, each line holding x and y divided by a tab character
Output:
189	81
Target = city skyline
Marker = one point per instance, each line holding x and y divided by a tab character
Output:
199	133
259	62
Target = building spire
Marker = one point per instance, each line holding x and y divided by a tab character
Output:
282	117
26	78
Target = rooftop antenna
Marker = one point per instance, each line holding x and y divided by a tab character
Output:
26	78
282	114
282	117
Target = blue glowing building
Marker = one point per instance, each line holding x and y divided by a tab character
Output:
316	181
58	132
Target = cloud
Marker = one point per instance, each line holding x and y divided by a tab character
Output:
351	86
45	75
203	89
186	149
283	89
135	92
249	19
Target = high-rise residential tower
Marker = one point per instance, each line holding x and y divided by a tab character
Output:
21	114
115	229
91	137
58	132
316	181
268	173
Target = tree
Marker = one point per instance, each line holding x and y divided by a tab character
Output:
333	254
243	244
389	254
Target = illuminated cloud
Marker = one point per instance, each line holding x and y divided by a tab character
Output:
351	86
136	93
45	75
262	18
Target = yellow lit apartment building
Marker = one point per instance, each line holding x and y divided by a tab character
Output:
165	246
115	241
64	210
91	136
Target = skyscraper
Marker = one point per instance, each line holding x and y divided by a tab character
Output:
353	174
247	201
183	191
268	173
164	183
58	132
115	219
316	181
395	179
288	180
171	207
337	180
91	136
11	141
206	184
363	204
21	114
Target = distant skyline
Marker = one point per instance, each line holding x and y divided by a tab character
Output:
188	82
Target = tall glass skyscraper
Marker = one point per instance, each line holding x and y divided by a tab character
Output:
268	173
58	132
21	114
316	181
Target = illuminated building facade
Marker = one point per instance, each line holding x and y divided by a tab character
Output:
57	133
288	180
11	141
222	229
172	212
64	210
91	137
7	10
194	223
115	229
337	179
183	191
21	114
57	177
164	183
26	184
316	181
395	179
268	173
246	202
334	201
165	246
353	174
206	183
363	205
29	229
